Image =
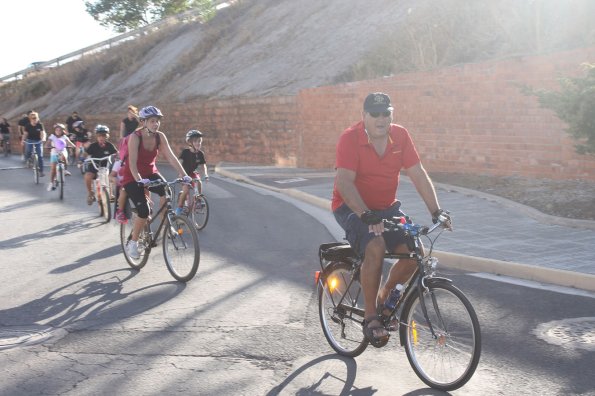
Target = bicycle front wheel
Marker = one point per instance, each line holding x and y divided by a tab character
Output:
61	180
144	247
35	169
200	212
447	358
341	309
104	205
180	248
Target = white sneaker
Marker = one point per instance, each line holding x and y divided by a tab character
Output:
51	186
132	248
67	173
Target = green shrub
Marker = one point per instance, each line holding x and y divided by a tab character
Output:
575	105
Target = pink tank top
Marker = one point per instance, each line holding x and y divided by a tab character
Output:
145	163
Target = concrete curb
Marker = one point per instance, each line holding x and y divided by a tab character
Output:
457	261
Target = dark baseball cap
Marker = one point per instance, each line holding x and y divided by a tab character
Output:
377	102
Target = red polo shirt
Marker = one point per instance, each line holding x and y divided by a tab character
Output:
377	177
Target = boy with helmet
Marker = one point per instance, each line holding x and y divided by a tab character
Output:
192	157
139	168
58	143
99	149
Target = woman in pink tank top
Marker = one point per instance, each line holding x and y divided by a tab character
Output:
143	147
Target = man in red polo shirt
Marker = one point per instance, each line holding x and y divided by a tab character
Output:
370	156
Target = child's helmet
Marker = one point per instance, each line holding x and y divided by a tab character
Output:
101	129
193	133
149	111
78	124
61	126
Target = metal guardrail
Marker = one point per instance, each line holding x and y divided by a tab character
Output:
102	45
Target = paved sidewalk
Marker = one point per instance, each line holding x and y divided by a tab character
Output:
491	234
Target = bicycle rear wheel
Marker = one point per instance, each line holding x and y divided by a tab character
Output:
200	212
143	246
341	309
180	248
447	359
104	204
61	179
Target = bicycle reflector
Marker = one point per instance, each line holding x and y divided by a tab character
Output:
180	231
316	277
402	220
332	284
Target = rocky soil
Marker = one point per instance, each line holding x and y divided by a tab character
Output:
573	199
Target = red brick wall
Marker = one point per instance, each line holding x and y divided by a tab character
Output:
470	118
243	130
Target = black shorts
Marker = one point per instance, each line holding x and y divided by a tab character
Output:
136	194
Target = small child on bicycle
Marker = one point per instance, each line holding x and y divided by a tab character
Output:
99	149
58	142
191	158
81	137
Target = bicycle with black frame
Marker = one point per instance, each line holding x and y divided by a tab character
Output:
181	250
33	160
435	321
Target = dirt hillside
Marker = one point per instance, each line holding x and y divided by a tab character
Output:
261	47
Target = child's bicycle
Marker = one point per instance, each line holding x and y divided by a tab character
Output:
197	206
60	173
435	321
180	239
101	185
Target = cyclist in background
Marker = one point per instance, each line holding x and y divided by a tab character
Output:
192	157
130	122
34	134
74	117
58	142
21	127
80	136
369	158
99	149
139	168
5	133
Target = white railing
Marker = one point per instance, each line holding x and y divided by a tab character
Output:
105	44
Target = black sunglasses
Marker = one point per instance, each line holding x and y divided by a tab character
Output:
375	114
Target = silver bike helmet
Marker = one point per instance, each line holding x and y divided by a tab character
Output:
61	126
77	124
149	111
192	134
101	129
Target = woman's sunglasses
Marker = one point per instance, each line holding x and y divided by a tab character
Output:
375	114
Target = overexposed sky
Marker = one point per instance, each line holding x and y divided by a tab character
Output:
41	30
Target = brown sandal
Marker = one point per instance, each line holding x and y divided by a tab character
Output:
376	341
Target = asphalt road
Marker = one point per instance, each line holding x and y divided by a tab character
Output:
75	319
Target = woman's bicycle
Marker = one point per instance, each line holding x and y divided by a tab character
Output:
197	206
180	239
101	185
33	161
6	144
435	321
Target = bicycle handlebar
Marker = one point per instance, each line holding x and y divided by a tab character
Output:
92	160
405	224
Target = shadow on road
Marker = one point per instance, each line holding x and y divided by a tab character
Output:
55	231
102	254
313	389
99	299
